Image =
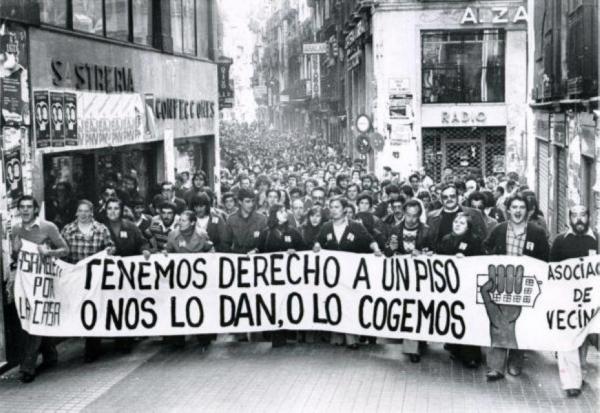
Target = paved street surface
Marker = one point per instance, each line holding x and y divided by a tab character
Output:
253	377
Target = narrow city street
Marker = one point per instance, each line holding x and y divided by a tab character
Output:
233	376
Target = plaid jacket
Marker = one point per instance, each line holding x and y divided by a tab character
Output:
82	246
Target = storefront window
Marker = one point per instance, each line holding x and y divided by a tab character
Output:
87	16
203	11
183	26
462	67
117	19
189	27
142	21
54	12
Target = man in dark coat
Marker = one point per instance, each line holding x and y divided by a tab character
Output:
578	241
410	236
440	221
514	237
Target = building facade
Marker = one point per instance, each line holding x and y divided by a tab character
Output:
95	90
430	76
565	151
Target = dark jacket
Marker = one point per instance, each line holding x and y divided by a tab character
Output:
217	231
435	217
466	244
280	239
536	243
309	234
129	241
568	245
355	238
242	233
423	239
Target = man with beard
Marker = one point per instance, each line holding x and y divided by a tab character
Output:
578	241
514	237
440	221
391	221
317	196
161	225
393	192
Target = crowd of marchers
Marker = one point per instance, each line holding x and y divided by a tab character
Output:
289	192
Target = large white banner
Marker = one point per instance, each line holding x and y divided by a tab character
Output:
504	301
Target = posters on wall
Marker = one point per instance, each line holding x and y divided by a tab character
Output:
70	108
13	174
12	106
57	119
41	103
511	302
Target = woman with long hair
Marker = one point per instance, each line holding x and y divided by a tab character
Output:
311	227
279	236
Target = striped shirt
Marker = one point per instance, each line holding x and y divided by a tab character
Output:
160	232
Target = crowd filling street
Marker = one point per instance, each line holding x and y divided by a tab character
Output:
289	192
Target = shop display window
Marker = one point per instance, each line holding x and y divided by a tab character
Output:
183	26
463	66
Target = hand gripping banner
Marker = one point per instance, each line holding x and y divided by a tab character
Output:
503	301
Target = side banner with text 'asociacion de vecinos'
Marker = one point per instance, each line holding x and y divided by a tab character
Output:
504	301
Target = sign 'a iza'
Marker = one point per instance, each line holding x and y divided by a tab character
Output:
494	15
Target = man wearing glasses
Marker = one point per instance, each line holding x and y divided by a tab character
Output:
50	244
440	220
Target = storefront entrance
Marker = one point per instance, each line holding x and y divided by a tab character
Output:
464	150
88	171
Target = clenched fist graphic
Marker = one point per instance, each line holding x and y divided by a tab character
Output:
502	280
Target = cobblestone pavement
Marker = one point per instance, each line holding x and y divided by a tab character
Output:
253	377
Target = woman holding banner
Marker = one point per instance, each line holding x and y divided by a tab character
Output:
278	236
340	234
185	239
462	242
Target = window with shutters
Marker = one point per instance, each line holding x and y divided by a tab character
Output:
464	150
582	49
